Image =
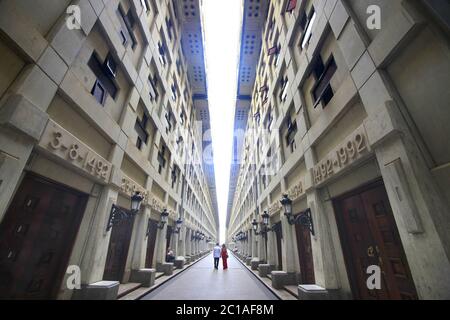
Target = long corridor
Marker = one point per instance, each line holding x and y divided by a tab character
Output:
203	282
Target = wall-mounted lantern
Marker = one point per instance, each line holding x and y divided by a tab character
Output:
287	205
265	216
164	218
255	226
179	222
304	218
117	214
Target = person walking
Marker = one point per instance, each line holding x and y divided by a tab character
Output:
216	255
224	255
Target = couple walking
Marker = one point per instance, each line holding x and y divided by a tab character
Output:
218	253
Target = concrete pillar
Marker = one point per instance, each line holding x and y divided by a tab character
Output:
175	238
249	243
140	241
288	246
188	242
271	249
254	245
160	245
92	263
261	248
182	242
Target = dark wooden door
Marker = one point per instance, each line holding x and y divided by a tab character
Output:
370	237
168	237
151	240
36	238
305	255
279	236
119	245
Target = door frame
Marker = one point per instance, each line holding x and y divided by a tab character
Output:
301	252
130	227
152	237
75	227
348	258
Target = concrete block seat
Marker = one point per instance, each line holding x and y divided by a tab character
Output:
179	262
166	267
254	263
282	278
265	269
101	290
144	276
312	292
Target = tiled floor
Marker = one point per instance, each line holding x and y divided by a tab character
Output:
203	282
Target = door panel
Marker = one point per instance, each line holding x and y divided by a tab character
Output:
168	237
279	235
36	238
119	245
390	251
305	255
370	237
151	240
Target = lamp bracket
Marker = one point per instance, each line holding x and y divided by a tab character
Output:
304	219
116	215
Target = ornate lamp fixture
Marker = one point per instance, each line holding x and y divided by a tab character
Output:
287	205
164	218
255	226
117	214
304	218
179	222
265	216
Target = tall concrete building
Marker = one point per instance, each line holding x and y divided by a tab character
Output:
102	104
343	163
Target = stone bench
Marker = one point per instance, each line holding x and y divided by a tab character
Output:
254	263
101	290
166	267
248	261
312	292
282	278
179	262
265	269
144	276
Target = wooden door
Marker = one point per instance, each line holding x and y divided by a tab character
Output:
36	238
119	245
305	254
168	237
370	237
151	240
279	236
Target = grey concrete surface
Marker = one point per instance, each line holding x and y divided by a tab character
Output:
203	282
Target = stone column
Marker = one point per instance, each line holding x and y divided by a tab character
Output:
271	249
188	242
254	245
160	245
288	245
140	242
249	243
93	260
182	242
261	248
175	238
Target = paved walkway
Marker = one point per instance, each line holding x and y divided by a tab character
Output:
203	282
